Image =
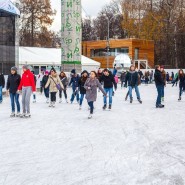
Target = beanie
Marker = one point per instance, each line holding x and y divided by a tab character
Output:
14	69
25	67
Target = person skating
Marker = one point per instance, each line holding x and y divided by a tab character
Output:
108	82
35	80
164	80
74	82
53	83
44	82
2	84
64	80
159	82
81	84
133	81
27	85
181	79
12	85
151	76
91	86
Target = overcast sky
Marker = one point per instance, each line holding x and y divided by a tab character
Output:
92	7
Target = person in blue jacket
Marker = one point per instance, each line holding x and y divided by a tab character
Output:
74	82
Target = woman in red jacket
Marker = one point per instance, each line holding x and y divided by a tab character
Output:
27	85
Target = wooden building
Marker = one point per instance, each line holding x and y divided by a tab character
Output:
137	49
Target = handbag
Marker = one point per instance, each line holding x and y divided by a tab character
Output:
58	86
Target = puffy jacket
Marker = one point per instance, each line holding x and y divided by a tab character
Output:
44	80
2	80
158	78
132	79
74	81
108	81
27	80
52	83
13	83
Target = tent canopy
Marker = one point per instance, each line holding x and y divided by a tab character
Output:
47	56
8	6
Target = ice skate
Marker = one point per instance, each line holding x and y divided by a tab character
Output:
131	100
110	107
179	98
66	101
90	116
160	106
104	107
139	100
18	114
12	115
51	104
60	101
47	101
28	115
80	107
22	115
34	101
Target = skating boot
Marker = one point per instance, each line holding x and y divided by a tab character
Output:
104	107
90	116
66	101
12	115
80	107
131	100
51	104
28	115
22	115
139	100
34	101
110	107
160	106
179	98
60	101
18	114
47	101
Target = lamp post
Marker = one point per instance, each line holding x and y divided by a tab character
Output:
108	37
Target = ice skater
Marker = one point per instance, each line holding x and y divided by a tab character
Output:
27	85
64	80
133	81
54	85
44	82
35	80
164	80
81	83
91	86
12	85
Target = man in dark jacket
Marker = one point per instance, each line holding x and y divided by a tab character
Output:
2	84
132	80
159	82
12	87
108	80
74	82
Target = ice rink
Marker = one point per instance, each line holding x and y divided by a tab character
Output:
133	144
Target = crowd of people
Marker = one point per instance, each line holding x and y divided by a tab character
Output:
83	86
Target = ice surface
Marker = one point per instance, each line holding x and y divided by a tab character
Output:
130	145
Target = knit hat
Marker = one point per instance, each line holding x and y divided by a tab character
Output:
162	67
73	71
14	69
47	72
25	67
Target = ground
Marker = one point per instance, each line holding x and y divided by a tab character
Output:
130	145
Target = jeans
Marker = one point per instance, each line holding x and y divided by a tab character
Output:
159	91
110	91
46	92
136	90
75	93
1	94
162	95
81	98
14	97
91	105
53	96
180	91
41	87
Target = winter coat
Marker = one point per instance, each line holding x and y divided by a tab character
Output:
158	78
122	77
44	80
91	94
181	80
74	81
81	84
13	83
52	83
27	80
64	80
108	81
2	80
132	78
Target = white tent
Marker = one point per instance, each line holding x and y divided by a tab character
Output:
35	56
8	6
122	61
